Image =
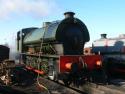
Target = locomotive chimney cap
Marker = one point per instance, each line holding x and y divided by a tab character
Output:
69	14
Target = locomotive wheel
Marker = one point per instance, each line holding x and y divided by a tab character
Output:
44	67
65	78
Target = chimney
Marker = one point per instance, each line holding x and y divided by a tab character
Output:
103	36
69	14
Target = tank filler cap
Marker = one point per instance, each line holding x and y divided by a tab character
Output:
103	36
69	14
45	24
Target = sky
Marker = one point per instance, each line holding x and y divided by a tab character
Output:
100	16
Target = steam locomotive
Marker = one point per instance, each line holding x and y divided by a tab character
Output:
113	52
56	50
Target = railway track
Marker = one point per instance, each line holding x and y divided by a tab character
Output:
58	88
117	86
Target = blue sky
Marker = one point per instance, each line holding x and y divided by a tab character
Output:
100	16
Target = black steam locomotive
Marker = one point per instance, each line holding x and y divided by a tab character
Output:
56	49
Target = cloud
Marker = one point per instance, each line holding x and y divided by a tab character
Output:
35	8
